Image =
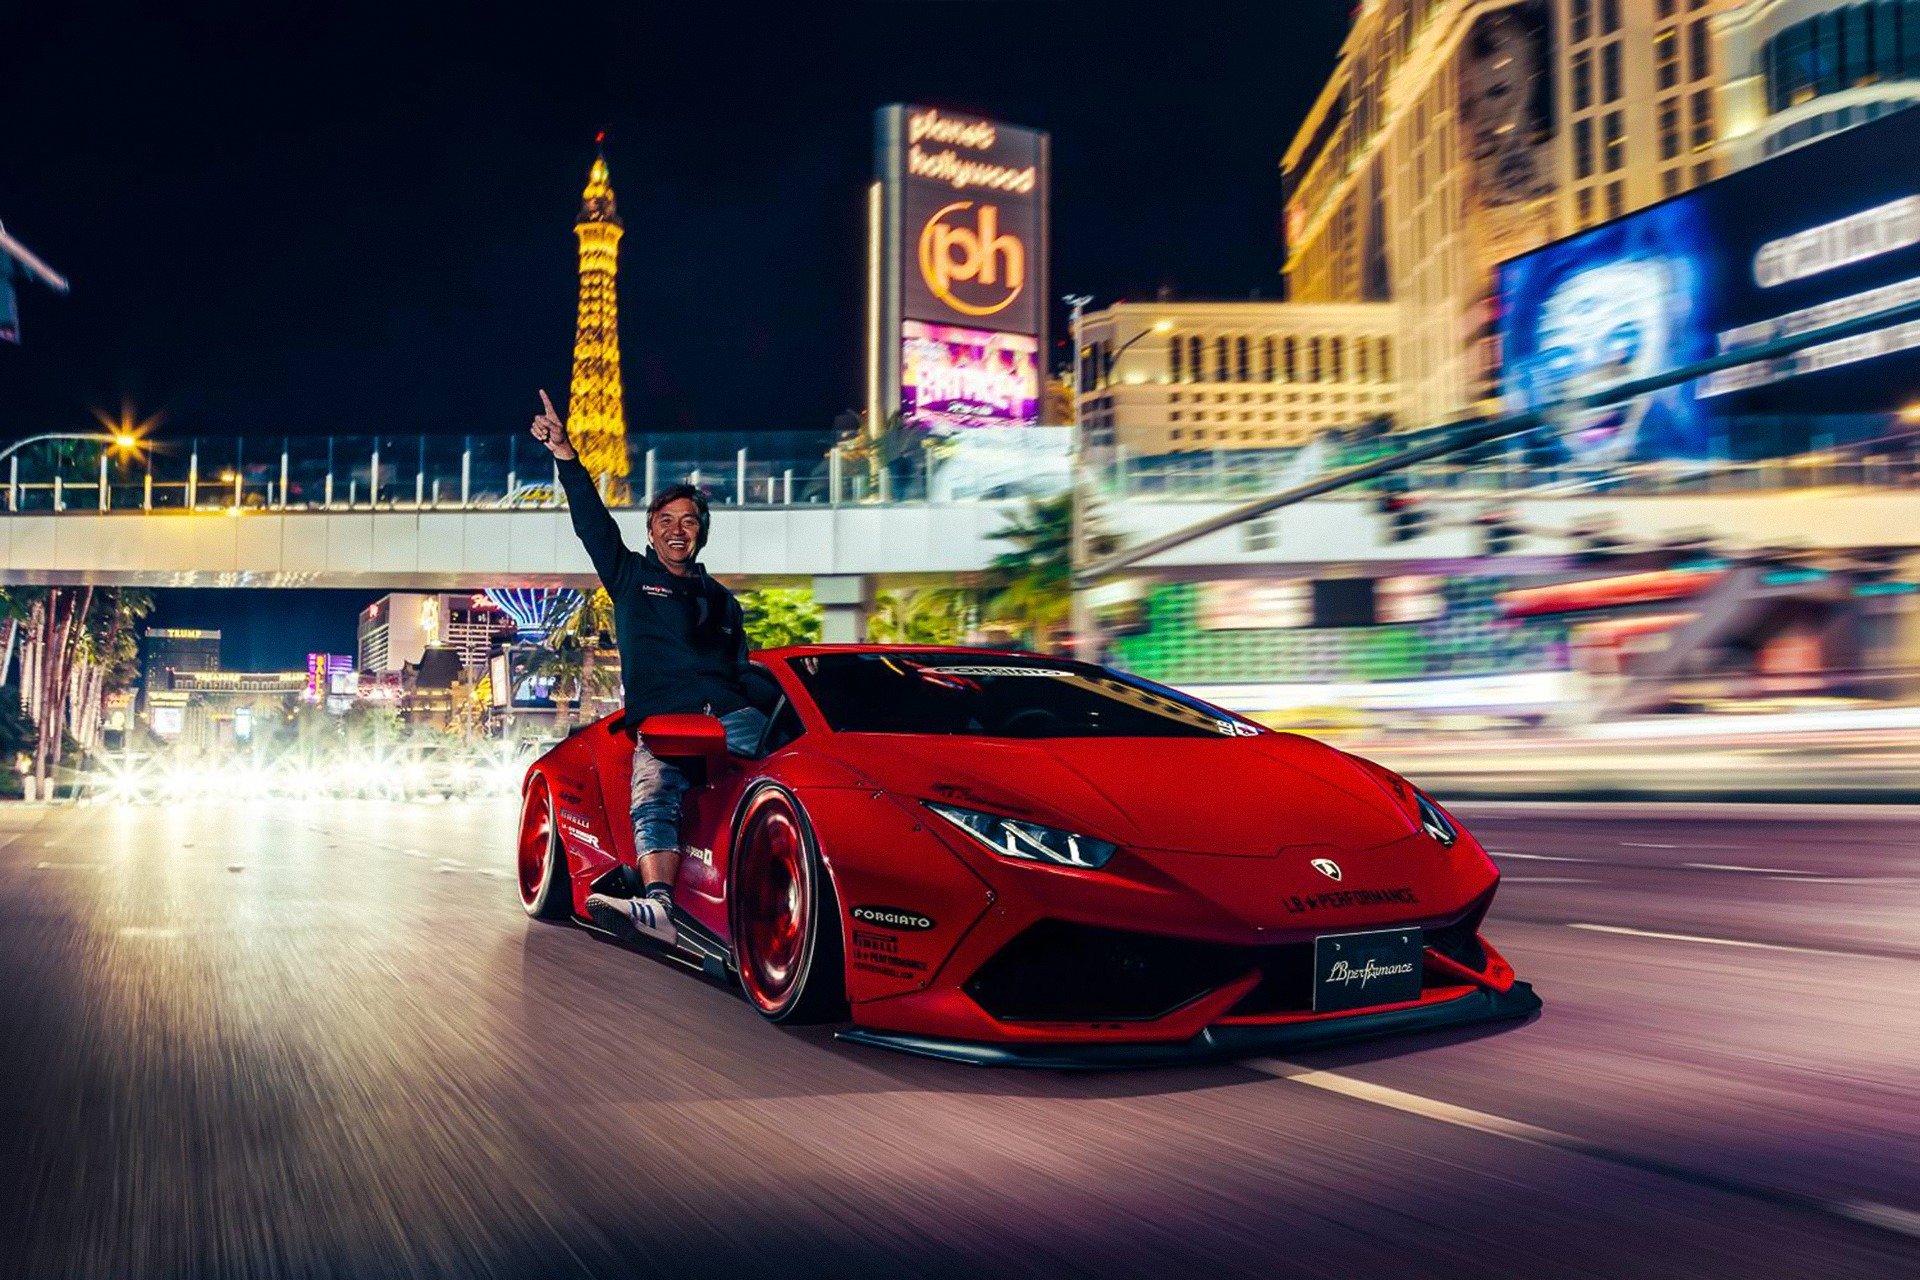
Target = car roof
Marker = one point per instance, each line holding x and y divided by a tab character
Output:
805	650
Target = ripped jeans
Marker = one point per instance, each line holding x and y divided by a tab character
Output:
658	786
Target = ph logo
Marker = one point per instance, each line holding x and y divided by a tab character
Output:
992	264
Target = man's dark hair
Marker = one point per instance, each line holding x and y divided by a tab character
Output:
675	492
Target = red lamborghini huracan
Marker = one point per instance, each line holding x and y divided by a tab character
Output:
1002	858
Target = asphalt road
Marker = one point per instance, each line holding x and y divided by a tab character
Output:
323	1041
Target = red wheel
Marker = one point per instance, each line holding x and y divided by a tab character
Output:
786	923
545	892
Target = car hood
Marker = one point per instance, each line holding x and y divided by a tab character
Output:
1251	797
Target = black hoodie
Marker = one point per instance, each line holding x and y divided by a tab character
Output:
683	642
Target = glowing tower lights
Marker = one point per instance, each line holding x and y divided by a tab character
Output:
596	420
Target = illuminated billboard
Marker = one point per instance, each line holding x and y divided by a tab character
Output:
957	231
952	378
1822	234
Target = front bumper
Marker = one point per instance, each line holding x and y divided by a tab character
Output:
1217	1042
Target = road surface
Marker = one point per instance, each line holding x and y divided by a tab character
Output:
285	1040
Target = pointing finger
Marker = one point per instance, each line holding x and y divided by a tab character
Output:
548	403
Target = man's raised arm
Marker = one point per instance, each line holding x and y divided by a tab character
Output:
592	522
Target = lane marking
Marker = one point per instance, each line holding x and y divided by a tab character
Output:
1734	866
1636	844
1886	1217
1807	879
1718	942
1538	857
1905	1221
1547	880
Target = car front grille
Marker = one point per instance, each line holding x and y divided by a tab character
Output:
1056	971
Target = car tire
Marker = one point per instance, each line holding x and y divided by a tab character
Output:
546	891
787	942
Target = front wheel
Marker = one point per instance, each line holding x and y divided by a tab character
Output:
545	891
786	921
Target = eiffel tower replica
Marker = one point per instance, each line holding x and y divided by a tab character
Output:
596	420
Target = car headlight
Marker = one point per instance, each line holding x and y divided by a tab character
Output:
1434	822
1027	841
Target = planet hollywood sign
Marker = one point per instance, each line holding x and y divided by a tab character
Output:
958	281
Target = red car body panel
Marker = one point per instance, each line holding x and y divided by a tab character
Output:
1217	843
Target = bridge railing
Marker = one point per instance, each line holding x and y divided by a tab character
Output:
359	473
340	473
1233	474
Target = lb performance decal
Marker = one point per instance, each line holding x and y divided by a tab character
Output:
893	918
879	954
1401	896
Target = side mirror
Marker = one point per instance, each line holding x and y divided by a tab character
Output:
684	737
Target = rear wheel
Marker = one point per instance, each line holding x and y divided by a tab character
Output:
786	921
545	892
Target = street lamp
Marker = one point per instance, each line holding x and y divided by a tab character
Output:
1079	615
123	441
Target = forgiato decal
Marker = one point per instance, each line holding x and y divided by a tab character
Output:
893	918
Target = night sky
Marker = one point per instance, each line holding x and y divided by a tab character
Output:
329	218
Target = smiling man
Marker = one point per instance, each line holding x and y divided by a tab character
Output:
683	648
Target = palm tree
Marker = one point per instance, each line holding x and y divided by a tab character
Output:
780	616
1036	577
929	615
570	657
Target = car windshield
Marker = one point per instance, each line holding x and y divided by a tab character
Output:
993	696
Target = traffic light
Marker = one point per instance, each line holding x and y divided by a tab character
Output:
1406	517
1499	531
1596	541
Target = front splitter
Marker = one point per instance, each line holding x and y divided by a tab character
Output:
1518	1001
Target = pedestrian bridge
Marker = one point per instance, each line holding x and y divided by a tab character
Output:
885	544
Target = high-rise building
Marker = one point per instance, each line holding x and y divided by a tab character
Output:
396	630
1427	159
167	650
1455	134
596	416
1637	85
1796	69
1177	377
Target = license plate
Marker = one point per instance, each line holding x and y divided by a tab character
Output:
1356	970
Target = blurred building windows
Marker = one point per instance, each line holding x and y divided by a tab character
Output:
1666	57
1266	360
1702	111
1583	148
1614	140
1174	362
1610	71
1616	199
1583	80
1609	17
1220	365
1665	8
1699	50
1583	204
1669	182
1582	19
1669	129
